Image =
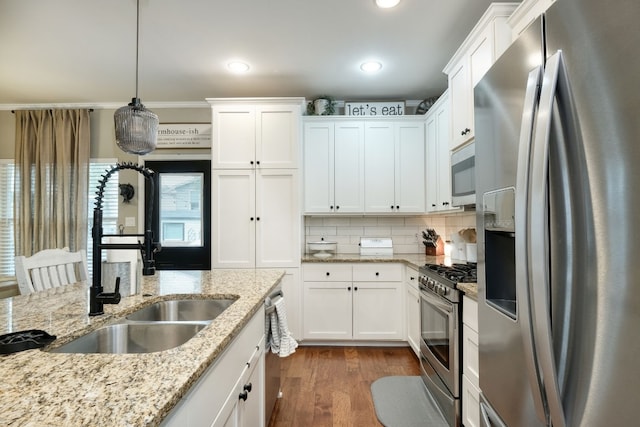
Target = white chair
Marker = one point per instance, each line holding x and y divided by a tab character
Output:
50	268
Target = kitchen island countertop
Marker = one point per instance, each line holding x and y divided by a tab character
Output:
40	388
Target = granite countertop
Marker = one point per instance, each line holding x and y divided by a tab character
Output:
39	388
413	260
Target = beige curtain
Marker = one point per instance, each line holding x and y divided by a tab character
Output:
52	173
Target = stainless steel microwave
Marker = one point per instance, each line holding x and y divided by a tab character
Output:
463	175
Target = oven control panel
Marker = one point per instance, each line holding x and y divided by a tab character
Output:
433	286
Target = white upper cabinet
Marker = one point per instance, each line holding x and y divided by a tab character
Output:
255	133
524	15
364	166
333	166
394	167
486	42
438	156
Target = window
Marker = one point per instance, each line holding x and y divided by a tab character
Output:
7	246
97	168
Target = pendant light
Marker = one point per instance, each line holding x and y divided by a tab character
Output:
136	127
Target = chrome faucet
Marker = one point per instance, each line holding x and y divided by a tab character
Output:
97	296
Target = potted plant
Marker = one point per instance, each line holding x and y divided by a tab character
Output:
323	105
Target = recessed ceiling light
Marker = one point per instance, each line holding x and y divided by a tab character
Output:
385	4
238	67
371	66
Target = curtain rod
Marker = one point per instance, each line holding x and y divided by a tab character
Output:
14	111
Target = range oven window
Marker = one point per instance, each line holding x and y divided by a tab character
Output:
436	331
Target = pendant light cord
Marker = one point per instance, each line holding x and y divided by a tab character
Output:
137	41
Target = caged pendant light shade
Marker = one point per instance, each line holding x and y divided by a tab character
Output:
136	127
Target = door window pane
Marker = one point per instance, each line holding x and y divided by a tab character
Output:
181	216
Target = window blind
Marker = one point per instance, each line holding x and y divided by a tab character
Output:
7	247
97	168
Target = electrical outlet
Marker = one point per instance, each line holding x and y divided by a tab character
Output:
130	221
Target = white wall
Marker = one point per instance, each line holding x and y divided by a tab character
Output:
347	230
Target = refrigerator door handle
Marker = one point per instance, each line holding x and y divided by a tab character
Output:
539	245
523	237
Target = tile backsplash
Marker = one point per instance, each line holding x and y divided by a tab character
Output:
404	231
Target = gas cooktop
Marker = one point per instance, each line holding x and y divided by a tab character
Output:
455	273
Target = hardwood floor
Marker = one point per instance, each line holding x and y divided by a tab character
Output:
330	386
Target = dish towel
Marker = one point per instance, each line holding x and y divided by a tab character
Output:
279	338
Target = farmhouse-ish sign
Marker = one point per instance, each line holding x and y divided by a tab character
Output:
374	108
184	135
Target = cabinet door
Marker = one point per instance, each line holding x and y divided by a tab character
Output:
461	104
409	167
413	312
277	218
349	167
470	404
327	310
481	58
251	411
379	167
277	134
233	218
318	167
233	137
433	185
443	155
378	311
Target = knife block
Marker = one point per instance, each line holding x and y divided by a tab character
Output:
436	250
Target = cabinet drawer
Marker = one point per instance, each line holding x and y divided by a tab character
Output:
377	272
327	272
470	313
470	358
470	404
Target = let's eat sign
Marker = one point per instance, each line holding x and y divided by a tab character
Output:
374	108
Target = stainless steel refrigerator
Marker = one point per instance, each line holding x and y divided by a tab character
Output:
558	214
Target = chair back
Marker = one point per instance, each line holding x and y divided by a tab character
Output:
50	268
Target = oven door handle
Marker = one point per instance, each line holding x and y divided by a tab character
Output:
437	302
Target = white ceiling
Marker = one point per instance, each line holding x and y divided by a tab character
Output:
83	51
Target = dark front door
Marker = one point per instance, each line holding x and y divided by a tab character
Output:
182	214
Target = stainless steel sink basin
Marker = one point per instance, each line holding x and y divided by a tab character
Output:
187	310
133	338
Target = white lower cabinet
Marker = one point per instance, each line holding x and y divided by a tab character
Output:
470	364
353	302
412	303
218	397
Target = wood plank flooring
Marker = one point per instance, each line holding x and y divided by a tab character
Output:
330	386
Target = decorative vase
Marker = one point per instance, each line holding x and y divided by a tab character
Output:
320	106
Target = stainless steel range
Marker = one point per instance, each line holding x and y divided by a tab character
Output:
440	313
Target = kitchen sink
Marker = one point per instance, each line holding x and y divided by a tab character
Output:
186	310
133	338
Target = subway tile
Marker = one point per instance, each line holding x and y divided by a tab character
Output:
336	221
345	231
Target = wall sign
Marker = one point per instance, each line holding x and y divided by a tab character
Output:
374	108
184	135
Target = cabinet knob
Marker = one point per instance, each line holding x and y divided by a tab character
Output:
465	131
377	273
328	274
391	207
331	207
348	288
412	278
337	207
258	218
251	162
243	396
433	205
355	288
397	207
445	203
247	387
251	218
258	162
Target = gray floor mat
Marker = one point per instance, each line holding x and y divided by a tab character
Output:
403	401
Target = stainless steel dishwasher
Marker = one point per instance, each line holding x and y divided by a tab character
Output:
271	363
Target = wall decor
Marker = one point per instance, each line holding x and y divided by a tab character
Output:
393	108
184	135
